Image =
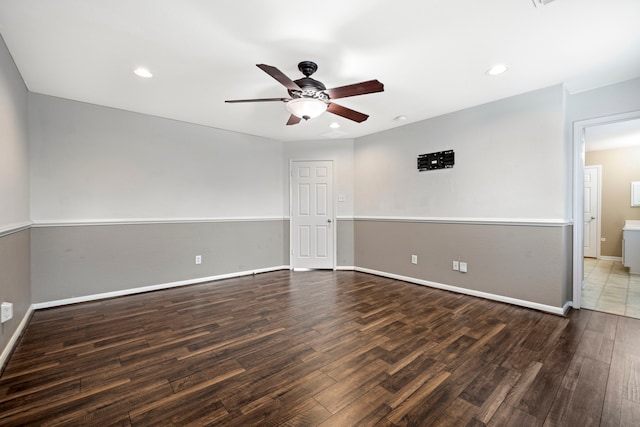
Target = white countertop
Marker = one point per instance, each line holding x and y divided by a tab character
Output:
632	224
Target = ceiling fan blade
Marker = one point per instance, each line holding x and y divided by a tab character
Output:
363	88
279	76
231	101
293	120
347	113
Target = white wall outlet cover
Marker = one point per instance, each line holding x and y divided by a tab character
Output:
463	267
414	259
6	311
456	266
198	259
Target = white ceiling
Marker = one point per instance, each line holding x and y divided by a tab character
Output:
431	55
613	135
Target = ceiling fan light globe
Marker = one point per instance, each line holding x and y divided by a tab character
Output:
306	108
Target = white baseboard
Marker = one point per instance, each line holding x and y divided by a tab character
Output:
4	357
523	303
133	291
345	268
565	308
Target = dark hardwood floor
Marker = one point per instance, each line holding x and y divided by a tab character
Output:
320	348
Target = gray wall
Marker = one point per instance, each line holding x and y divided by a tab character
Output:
90	162
14	196
510	163
619	98
75	261
153	193
14	145
515	261
14	282
346	243
509	180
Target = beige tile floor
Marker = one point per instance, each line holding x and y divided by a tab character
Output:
609	287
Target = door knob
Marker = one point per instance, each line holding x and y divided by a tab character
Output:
329	220
593	217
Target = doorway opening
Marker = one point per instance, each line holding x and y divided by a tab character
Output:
312	223
606	271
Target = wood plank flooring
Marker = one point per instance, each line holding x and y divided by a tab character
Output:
320	348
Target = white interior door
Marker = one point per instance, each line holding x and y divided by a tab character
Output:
312	216
591	210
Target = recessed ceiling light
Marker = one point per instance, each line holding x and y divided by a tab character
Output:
143	72
334	125
497	69
400	118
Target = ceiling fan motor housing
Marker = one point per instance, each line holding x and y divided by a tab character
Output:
311	88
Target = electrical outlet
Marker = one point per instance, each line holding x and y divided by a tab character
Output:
198	259
456	266
414	259
6	311
603	239
463	267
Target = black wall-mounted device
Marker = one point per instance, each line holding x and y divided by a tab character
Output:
439	160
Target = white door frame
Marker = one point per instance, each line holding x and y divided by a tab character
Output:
335	222
598	208
579	128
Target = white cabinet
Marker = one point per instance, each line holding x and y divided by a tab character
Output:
631	246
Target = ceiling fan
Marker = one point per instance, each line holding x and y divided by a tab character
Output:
308	98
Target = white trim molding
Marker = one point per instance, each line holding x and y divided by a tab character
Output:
42	223
134	221
14	228
133	291
8	349
561	311
532	222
